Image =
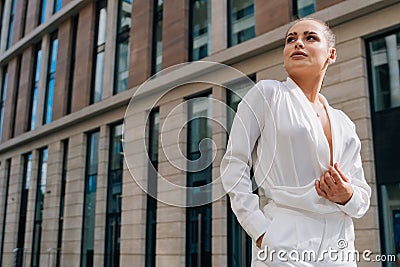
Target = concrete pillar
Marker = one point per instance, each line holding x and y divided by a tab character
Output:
51	205
19	21
25	91
32	15
141	36
30	211
63	68
9	106
171	220
101	197
175	33
271	14
13	210
84	57
219	25
219	209
74	201
133	210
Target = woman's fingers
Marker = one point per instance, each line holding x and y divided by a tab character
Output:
329	180
320	192
336	168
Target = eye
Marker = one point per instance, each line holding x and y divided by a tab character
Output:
290	39
312	38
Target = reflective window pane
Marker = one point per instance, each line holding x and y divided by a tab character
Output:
40	195
385	70
42	18
114	193
199	154
123	47
57	6
35	91
239	243
3	94
101	39
99	74
151	211
98	64
26	178
157	36
48	111
241	22
200	14
89	218
302	8
11	24
390	213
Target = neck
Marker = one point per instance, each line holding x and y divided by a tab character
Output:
310	85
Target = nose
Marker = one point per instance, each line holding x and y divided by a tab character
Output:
299	43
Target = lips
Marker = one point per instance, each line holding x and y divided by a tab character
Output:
298	54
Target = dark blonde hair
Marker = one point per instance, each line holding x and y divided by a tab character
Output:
329	33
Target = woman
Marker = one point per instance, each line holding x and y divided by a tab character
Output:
306	160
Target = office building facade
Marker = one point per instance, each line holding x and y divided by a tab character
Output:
68	70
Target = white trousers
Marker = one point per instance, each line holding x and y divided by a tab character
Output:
301	239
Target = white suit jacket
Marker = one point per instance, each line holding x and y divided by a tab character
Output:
277	132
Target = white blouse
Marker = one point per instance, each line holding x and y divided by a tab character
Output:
277	132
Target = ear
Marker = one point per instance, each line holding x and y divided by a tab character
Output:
332	55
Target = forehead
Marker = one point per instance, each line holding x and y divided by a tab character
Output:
307	26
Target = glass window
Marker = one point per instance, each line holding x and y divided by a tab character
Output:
122	55
89	218
1	15
151	216
57	6
114	192
3	230
35	91
11	24
302	8
100	46
384	76
384	54
40	195
239	243
3	93
26	180
241	21
42	16
48	108
198	218
156	64
62	201
200	26
390	214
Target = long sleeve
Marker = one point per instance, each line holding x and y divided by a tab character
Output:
236	164
359	203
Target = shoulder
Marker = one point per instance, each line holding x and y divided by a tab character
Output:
267	89
344	118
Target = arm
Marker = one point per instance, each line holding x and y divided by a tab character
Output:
236	164
351	194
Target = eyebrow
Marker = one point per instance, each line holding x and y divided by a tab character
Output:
305	33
